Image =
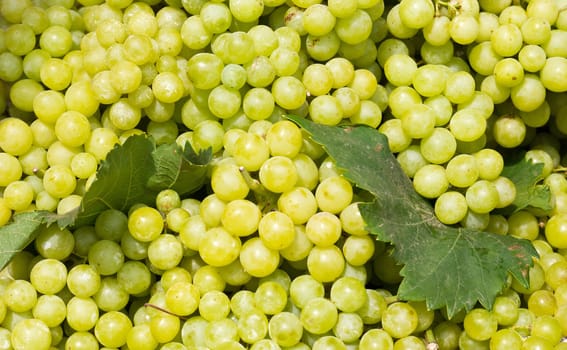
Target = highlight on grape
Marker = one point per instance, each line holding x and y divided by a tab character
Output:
269	250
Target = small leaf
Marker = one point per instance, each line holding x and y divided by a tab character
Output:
180	169
19	233
445	266
527	176
120	181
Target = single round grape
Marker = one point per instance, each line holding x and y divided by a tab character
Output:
325	264
145	224
480	324
257	259
31	334
319	315
556	231
112	329
218	247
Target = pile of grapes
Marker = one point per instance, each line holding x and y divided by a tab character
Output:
272	252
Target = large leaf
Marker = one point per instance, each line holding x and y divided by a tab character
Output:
445	266
181	169
122	180
527	177
17	235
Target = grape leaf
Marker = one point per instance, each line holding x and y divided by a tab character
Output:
445	266
122	180
527	177
18	234
181	169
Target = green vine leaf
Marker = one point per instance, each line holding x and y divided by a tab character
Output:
122	180
21	232
181	169
527	177
446	266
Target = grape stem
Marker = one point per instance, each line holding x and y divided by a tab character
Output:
163	310
265	199
430	341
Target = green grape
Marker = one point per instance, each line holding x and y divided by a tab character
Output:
11	68
228	183
258	103
534	342
31	334
82	338
319	315
552	73
20	296
241	217
134	277
555	231
419	121
431	181
182	298
325	264
482	196
112	329
276	230
462	170
288	92
416	13
323	229
348	294
218	247
396	26
358	250
224	102
111	296
270	297
106	256
145	224
83	280
48	276
252	326
488	22
140	337
278	174
376	338
55	243
214	305
480	324
56	40
509	131
507	40
82	313
451	207
466	342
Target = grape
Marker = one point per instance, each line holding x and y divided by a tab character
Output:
480	324
31	333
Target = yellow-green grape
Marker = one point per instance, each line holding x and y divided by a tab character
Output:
204	69
145	224
16	136
218	247
257	259
182	298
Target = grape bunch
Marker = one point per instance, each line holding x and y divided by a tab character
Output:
273	253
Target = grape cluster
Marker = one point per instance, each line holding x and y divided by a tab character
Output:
273	253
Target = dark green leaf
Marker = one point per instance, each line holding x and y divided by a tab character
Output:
180	169
19	233
445	266
527	177
120	181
